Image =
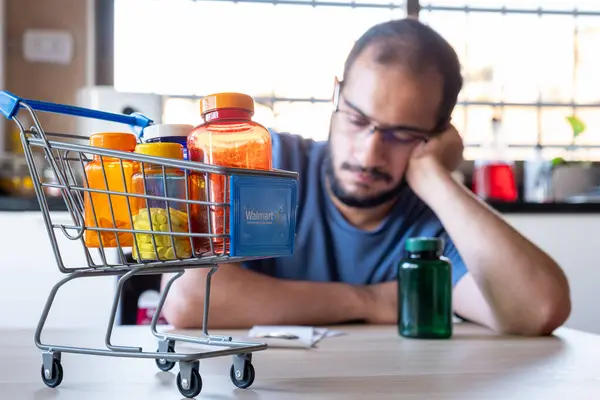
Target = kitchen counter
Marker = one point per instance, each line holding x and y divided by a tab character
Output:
11	203
546	208
8	203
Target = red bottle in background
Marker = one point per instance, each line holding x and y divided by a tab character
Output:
494	176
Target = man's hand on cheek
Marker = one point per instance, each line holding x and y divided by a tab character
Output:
441	154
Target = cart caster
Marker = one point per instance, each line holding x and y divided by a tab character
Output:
248	378
162	363
191	388
54	378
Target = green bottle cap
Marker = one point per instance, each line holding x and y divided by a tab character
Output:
418	244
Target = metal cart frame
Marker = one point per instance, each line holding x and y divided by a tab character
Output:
62	154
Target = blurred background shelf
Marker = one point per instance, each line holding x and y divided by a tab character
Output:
18	203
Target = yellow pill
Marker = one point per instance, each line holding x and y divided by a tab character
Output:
174	222
162	253
163	228
158	218
160	240
135	254
178	214
140	225
143	238
179	219
183	253
143	215
145	246
148	255
170	254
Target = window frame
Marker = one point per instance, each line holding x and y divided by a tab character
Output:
105	10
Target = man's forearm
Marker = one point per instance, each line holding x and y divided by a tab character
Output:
519	282
241	298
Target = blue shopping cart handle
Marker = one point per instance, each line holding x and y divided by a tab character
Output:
11	104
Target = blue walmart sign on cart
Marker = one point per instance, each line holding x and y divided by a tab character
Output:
263	216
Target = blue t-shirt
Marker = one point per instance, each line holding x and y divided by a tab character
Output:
328	248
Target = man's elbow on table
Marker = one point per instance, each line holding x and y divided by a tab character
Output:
177	313
174	311
556	316
536	308
181	308
552	313
549	311
549	315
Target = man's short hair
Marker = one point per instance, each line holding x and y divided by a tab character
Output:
412	44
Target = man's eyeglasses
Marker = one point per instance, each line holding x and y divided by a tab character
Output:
354	122
358	125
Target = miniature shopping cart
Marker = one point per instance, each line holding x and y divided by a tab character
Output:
241	239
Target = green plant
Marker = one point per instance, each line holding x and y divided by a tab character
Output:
578	127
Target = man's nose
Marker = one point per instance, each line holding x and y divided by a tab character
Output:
369	151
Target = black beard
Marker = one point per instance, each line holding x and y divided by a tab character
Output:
359	202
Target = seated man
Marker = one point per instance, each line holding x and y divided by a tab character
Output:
383	176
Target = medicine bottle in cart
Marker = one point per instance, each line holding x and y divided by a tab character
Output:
425	290
228	137
168	133
160	214
100	208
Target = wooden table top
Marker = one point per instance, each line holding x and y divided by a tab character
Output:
368	362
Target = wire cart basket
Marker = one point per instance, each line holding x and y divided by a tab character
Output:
258	210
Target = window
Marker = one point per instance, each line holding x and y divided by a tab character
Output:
285	55
532	63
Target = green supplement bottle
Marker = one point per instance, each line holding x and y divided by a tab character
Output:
425	290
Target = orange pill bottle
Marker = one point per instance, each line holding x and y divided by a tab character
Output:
113	174
230	138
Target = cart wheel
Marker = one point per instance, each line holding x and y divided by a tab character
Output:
57	374
193	388
248	379
163	364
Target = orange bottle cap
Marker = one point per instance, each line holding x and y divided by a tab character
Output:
216	101
165	150
114	140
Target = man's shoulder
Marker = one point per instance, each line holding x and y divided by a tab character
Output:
293	152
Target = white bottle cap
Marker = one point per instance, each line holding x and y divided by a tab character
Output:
166	130
149	299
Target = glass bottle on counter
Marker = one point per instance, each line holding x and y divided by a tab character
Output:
99	208
494	175
160	214
168	133
425	291
230	138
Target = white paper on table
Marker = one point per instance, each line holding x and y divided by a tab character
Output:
297	336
